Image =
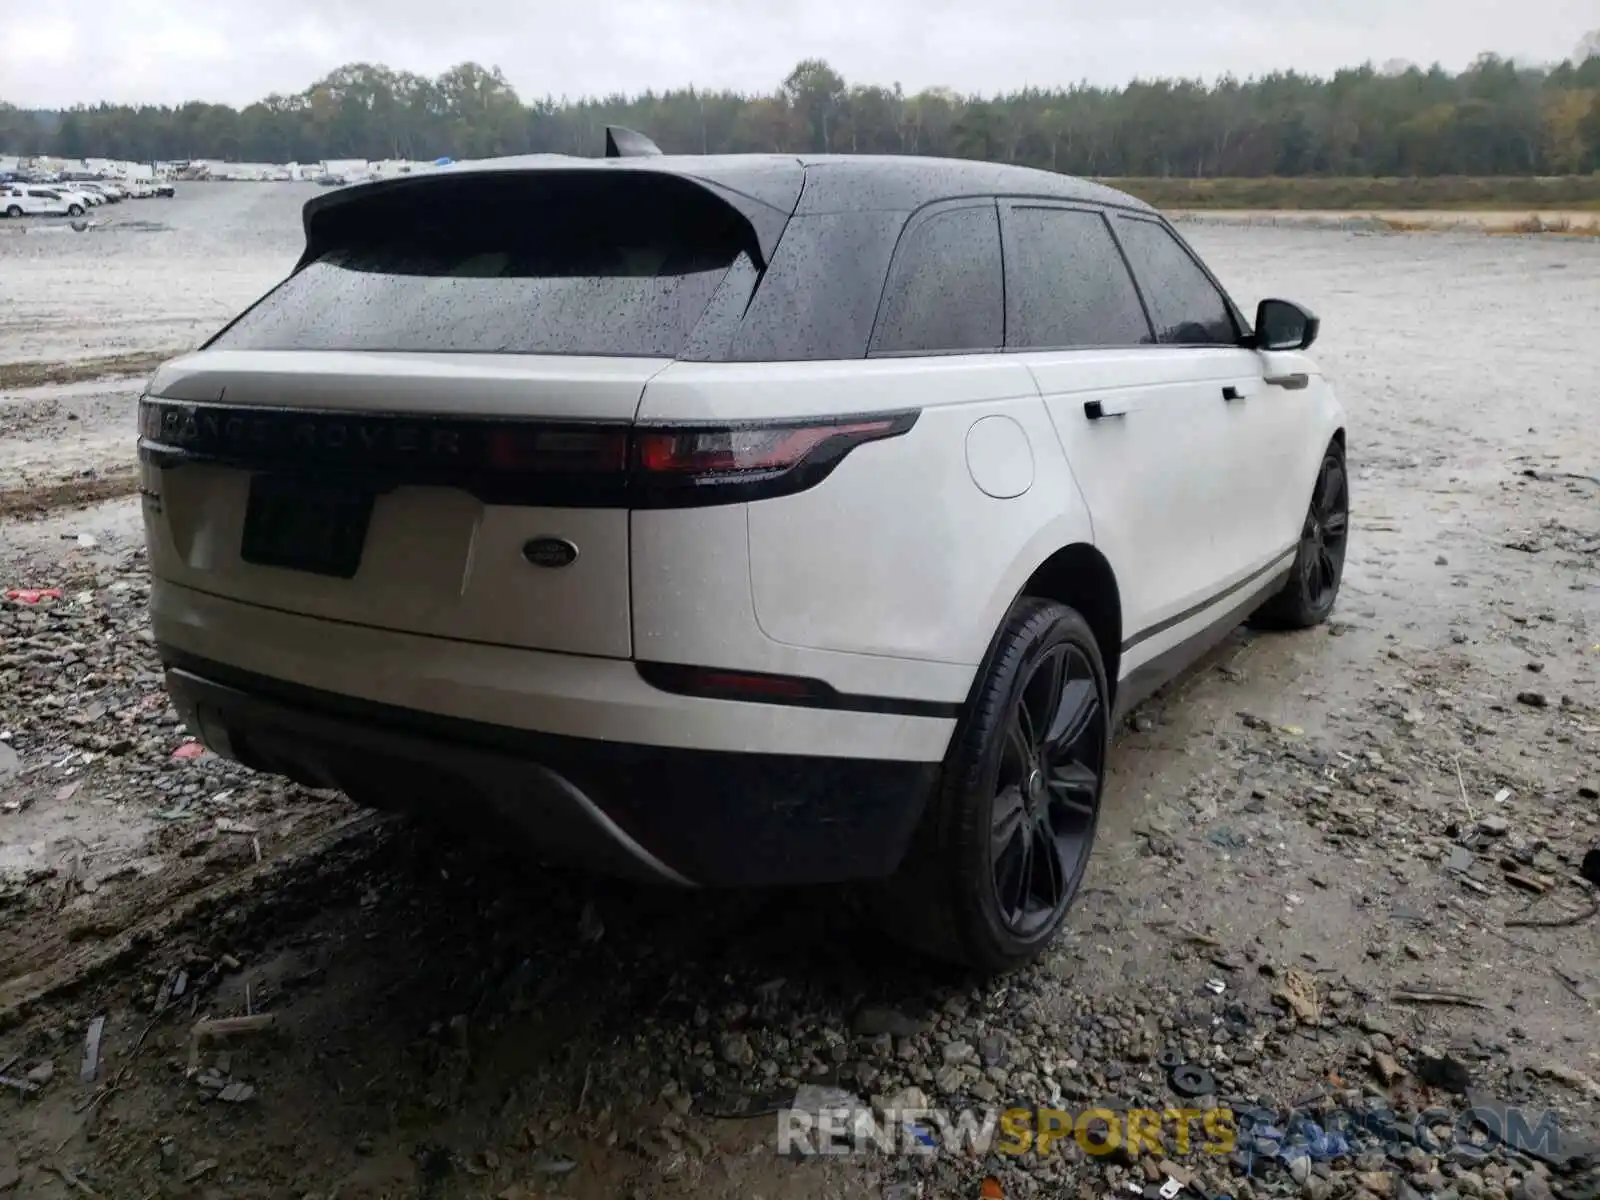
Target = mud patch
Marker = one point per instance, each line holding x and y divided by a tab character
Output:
15	375
34	501
135	226
65	445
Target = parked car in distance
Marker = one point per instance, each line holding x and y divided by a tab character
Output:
737	521
164	190
78	202
28	200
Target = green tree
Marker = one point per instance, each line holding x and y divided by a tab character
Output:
815	90
71	139
1494	118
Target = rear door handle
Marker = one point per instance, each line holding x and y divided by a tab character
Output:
1099	410
1229	392
1293	383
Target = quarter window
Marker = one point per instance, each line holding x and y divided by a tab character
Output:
944	291
818	296
1066	284
1185	305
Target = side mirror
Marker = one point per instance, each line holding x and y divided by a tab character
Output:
1284	325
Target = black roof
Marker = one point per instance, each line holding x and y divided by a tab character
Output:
856	183
769	188
832	182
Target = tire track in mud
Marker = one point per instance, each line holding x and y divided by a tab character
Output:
15	375
69	957
65	446
71	493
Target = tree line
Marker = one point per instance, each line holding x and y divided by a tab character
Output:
1494	118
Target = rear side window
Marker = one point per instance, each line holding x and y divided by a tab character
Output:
1185	305
553	265
945	291
1066	283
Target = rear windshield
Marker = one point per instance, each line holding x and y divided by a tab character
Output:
524	265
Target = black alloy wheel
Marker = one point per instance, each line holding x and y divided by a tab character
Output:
1308	595
1004	842
1326	530
1047	796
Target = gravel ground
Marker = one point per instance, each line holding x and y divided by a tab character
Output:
1339	871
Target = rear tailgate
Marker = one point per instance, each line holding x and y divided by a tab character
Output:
444	537
425	428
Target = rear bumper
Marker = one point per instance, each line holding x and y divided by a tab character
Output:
599	699
665	814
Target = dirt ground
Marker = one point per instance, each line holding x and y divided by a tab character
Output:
1330	862
1556	222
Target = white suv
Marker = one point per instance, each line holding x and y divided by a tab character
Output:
23	200
736	520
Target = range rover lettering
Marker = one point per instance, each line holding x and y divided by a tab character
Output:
737	521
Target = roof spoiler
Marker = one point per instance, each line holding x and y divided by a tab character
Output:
764	203
625	143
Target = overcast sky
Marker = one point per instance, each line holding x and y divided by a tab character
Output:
235	51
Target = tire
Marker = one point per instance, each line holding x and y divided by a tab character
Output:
957	897
1312	589
74	210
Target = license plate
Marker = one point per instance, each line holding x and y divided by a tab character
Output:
304	525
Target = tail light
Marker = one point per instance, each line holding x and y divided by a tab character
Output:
566	464
724	464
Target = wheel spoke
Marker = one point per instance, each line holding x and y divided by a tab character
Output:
1327	491
1074	786
1325	567
1008	817
1336	524
1010	874
1023	724
1048	867
1074	716
1023	884
1042	693
1018	745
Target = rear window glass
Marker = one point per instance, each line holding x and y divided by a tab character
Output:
550	266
